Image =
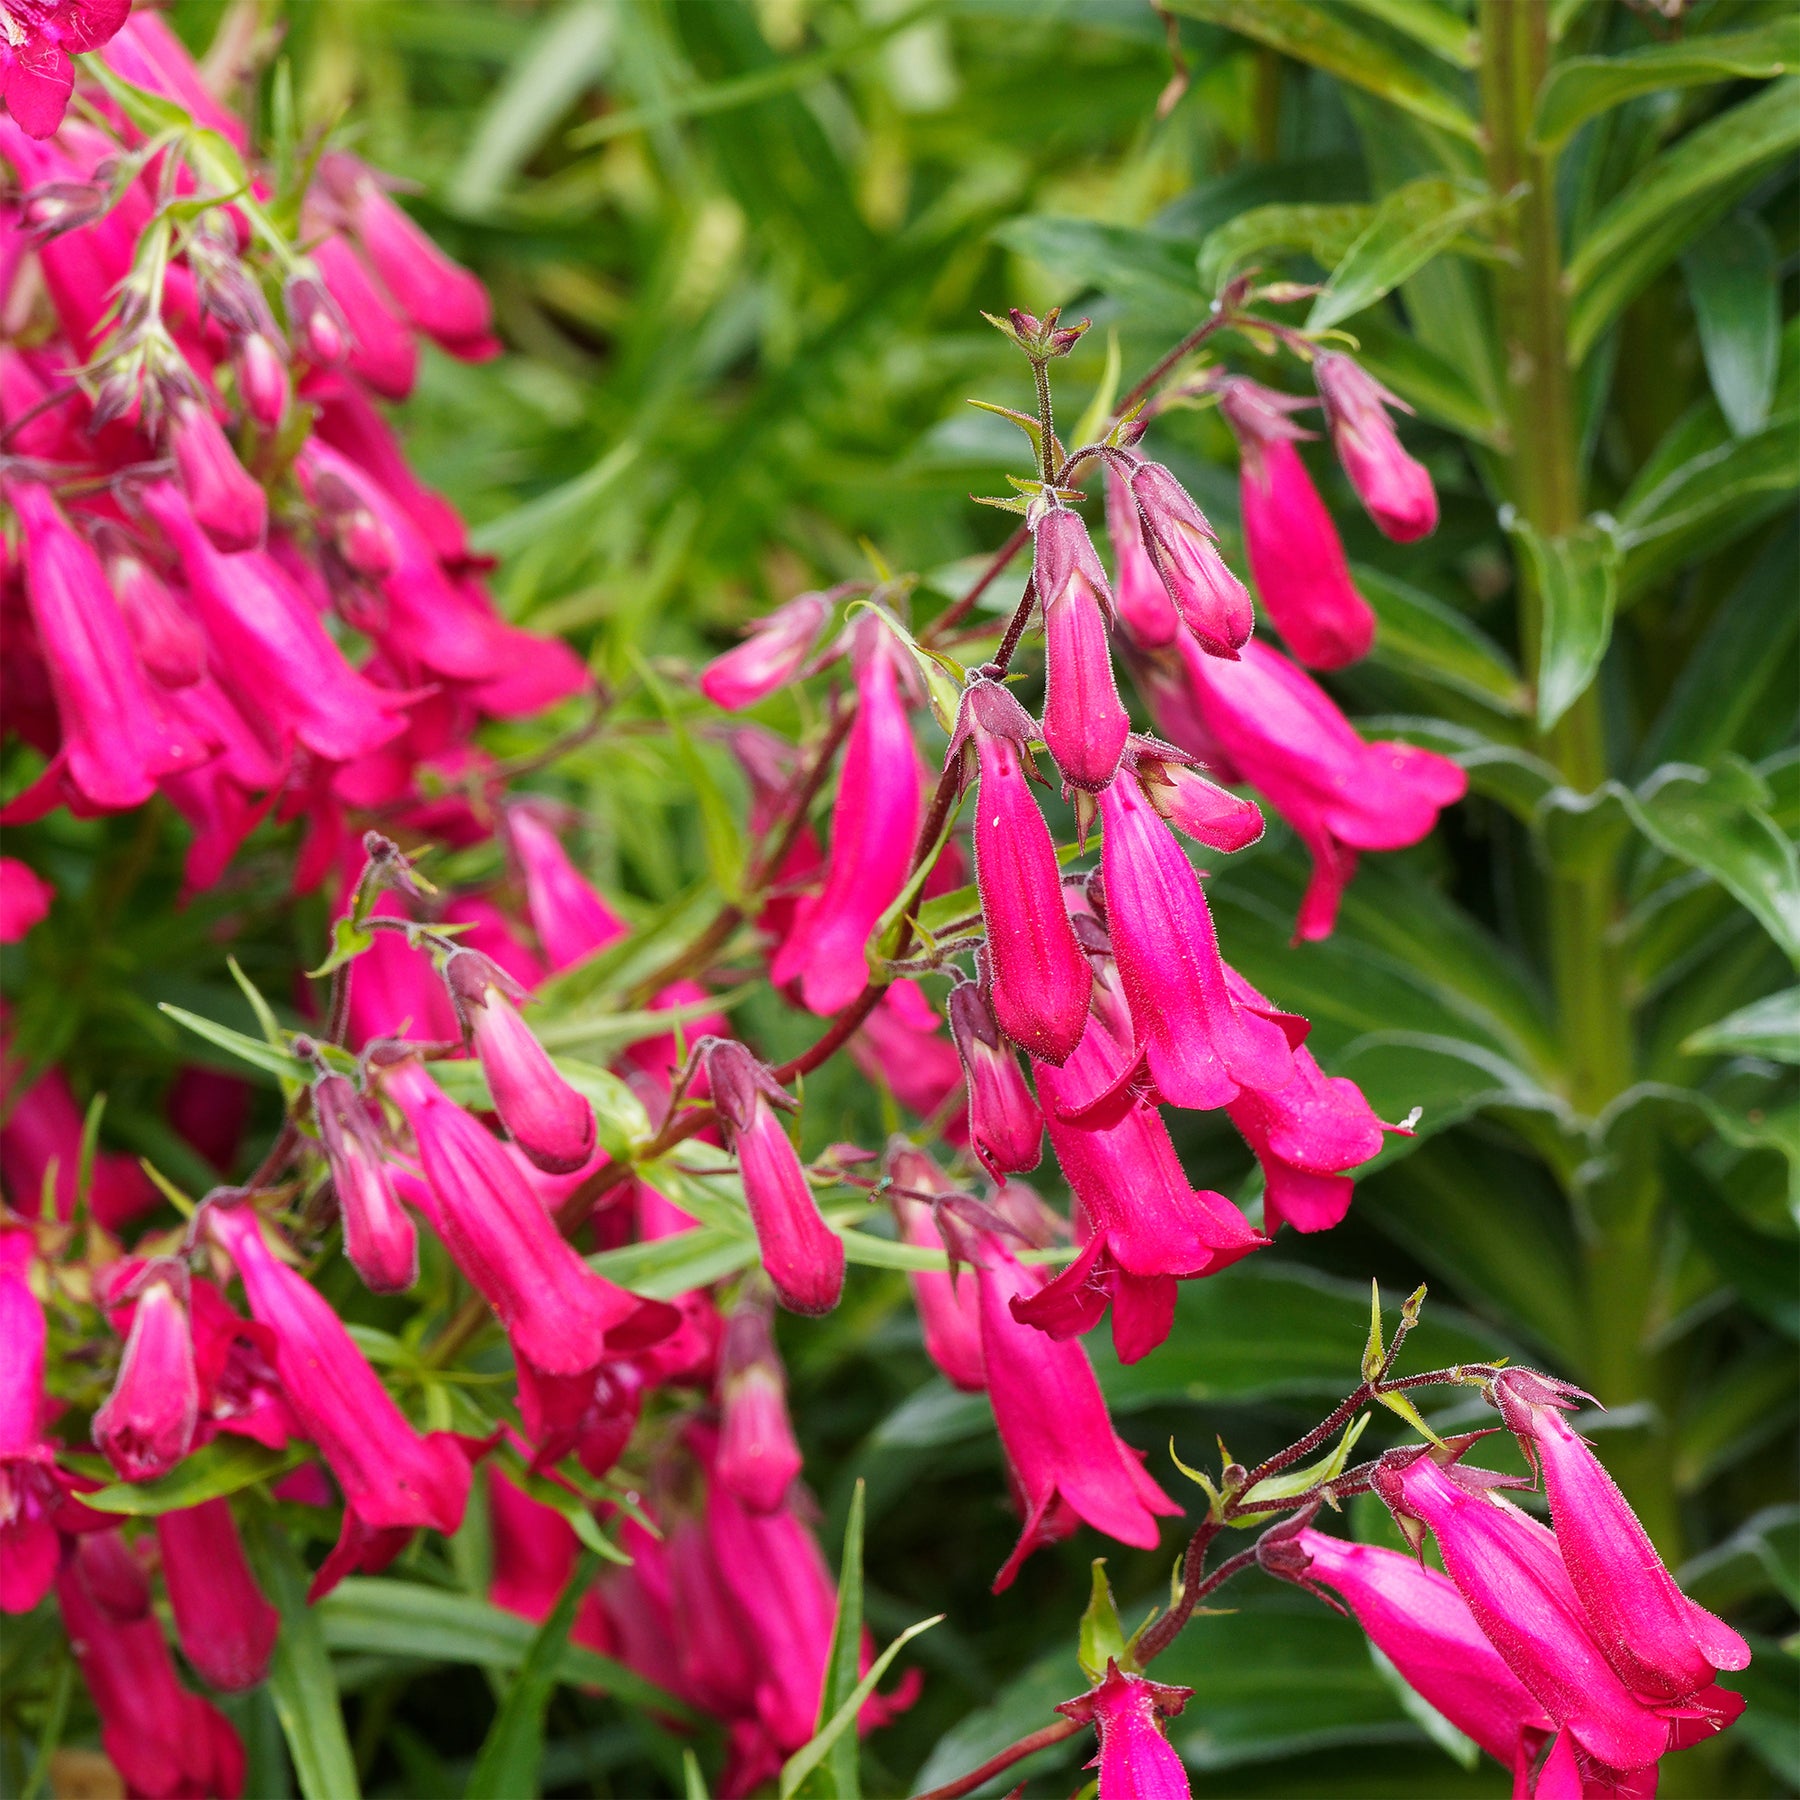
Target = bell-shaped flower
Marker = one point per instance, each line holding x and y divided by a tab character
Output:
1040	978
1268	723
163	1740
227	504
947	1304
570	919
24	899
1145	609
1085	722
1392	485
1214	605
170	644
1199	1044
874	822
226	1627
1295	553
379	1238
1006	1130
145	1426
548	1120
801	1254
771	656
1136	1761
1197	808
234	1358
1659	1642
31	1490
758	1457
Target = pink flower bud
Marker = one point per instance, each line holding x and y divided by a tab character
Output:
948	1306
1212	602
317	328
1041	979
801	1254
382	352
1006	1129
1658	1641
146	1424
771	656
378	1236
169	640
548	1120
229	507
1295	553
227	1629
29	1546
1084	723
263	380
570	919
1392	485
758	1457
1136	1761
1145	609
24	899
1196	807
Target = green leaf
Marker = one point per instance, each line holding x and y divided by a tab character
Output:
1581	87
1771	1690
720	831
348	941
1435	27
839	1775
661	1268
1409	227
1319	35
1761	1556
1102	1637
693	1783
1734	282
300	1679
1323	231
506	1768
227	1465
1099	408
1577	579
1151	275
1420	634
1767	1027
258	1055
1758	1264
1670	202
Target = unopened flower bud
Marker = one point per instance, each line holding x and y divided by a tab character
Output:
1006	1130
146	1425
1212	602
1135	1759
169	641
58	206
770	657
228	505
318	331
1145	609
262	380
378	1235
1084	723
1198	808
1391	484
758	1457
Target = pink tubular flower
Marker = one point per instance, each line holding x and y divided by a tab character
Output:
758	1457
263	382
563	1318
1197	808
801	1254
534	1550
146	1424
30	1490
1006	1129
1421	1624
227	505
1145	609
41	1143
1392	485
227	1629
171	646
548	1120
379	1238
36	75
570	919
382	353
117	741
167	1743
1212	602
1281	732
1509	1570
1053	1423
948	1306
393	1479
24	899
1659	1642
1084	722
1136	1762
1041	979
874	821
1295	554
773	653
1199	1044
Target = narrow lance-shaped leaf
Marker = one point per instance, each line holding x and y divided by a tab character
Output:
1409	228
1734	282
1577	583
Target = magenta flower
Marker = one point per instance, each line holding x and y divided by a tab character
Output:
227	1629
395	992
263	380
1145	609
1084	722
1041	978
1197	808
758	1457
227	505
874	821
1199	1044
40	1144
1214	605
801	1254
163	1740
1270	724
1392	485
169	643
1136	1762
947	1304
1006	1130
772	655
36	75
24	899
382	352
145	1426
535	1549
548	1120
31	1489
1660	1643
1295	554
379	1238
234	1358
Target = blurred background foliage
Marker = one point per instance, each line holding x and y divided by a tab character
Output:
737	249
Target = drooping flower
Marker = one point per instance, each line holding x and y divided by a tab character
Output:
1294	549
1212	602
227	504
24	899
772	655
1085	724
948	1306
379	1238
801	1254
36	75
146	1424
1006	1129
226	1627
1197	808
171	646
758	1457
31	1489
1040	978
1145	609
874	821
1136	1762
1391	484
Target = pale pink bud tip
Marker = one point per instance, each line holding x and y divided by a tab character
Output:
262	380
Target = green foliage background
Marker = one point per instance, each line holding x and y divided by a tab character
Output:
738	252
